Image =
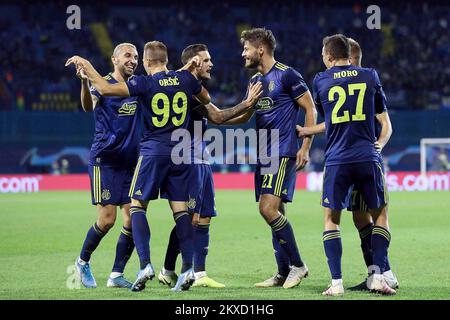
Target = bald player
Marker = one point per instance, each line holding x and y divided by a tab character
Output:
113	157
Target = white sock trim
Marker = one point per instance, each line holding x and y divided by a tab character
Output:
336	282
200	274
167	272
114	275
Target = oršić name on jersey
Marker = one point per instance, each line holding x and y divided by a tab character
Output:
127	109
171	81
265	103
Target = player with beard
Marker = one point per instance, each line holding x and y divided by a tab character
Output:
112	160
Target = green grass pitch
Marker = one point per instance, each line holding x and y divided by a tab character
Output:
42	233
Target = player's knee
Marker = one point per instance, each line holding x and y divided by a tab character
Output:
361	219
107	221
267	211
107	217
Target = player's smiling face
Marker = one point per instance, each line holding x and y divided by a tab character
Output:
126	61
204	72
251	55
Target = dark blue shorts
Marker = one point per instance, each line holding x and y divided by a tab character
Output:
366	177
280	184
110	185
204	202
155	175
356	202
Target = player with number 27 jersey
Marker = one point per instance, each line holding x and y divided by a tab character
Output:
348	97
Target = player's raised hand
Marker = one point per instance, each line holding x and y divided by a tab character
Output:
254	92
192	64
77	61
302	159
81	74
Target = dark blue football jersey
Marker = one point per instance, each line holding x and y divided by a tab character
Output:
197	127
349	97
165	97
117	130
277	109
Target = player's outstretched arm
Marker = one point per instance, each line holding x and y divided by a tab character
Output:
308	131
222	116
103	87
307	104
386	130
243	118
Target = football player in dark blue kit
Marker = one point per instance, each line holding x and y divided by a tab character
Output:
165	95
112	160
284	94
203	204
349	97
361	216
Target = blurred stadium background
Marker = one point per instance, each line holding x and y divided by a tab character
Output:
45	136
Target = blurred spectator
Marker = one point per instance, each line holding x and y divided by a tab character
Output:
411	51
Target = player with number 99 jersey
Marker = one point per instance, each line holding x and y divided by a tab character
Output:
166	96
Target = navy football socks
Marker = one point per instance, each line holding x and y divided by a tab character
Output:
141	234
201	243
91	242
173	249
185	234
285	237
381	238
124	249
333	250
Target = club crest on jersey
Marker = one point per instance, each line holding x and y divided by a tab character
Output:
191	203
106	195
271	86
128	109
265	103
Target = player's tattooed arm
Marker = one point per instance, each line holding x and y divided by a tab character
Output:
386	130
103	87
308	131
243	118
223	116
307	104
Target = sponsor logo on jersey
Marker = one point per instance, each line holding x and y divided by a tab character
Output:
265	103
271	86
128	109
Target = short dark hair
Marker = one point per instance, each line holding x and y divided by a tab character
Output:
156	51
191	51
337	46
260	36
